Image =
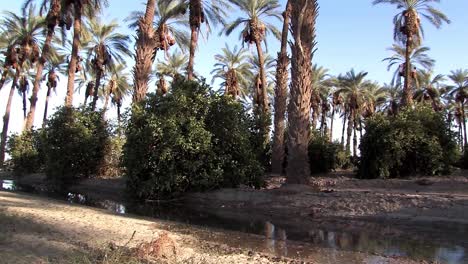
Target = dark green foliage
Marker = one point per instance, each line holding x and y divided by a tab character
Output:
325	156
75	141
188	140
414	142
463	162
27	152
111	166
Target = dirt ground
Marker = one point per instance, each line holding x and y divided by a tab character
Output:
416	207
41	230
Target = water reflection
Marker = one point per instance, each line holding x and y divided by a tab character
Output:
8	185
277	238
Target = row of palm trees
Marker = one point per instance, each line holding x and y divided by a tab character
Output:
94	60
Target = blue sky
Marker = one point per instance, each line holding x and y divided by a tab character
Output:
350	34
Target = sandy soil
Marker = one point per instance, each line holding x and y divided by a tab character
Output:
34	229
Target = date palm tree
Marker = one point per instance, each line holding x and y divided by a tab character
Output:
281	96
429	89
54	68
303	31
119	89
75	10
459	91
320	82
353	86
418	57
408	29
52	20
170	18
233	69
106	49
12	76
208	12
255	31
174	68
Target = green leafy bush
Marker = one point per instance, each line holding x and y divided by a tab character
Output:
27	152
414	142
325	156
188	140
75	141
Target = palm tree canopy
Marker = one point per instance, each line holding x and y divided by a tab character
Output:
422	8
175	65
170	17
235	60
106	46
418	58
254	22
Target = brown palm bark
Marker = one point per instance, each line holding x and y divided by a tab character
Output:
46	107
144	52
264	93
343	129
52	19
281	96
193	47
4	76
349	131
303	28
464	123
72	66
355	128
331	123
407	92
6	119
96	89
197	17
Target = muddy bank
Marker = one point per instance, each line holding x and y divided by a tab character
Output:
35	229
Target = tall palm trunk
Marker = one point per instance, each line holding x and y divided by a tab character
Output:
144	52
355	128
96	89
4	76
323	123
331	123
349	131
343	129
108	93
264	86
72	66
119	124
196	18
37	81
281	95
193	47
25	108
6	119
46	107
464	123
407	89
303	28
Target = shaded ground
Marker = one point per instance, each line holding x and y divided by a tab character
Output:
346	220
35	229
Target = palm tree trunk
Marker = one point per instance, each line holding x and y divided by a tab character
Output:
281	95
144	52
38	79
46	107
331	123
106	102
193	47
96	89
74	57
344	128
349	131
323	125
264	86
4	76
6	120
464	124
355	128
119	124
407	89
303	28
360	128
25	108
